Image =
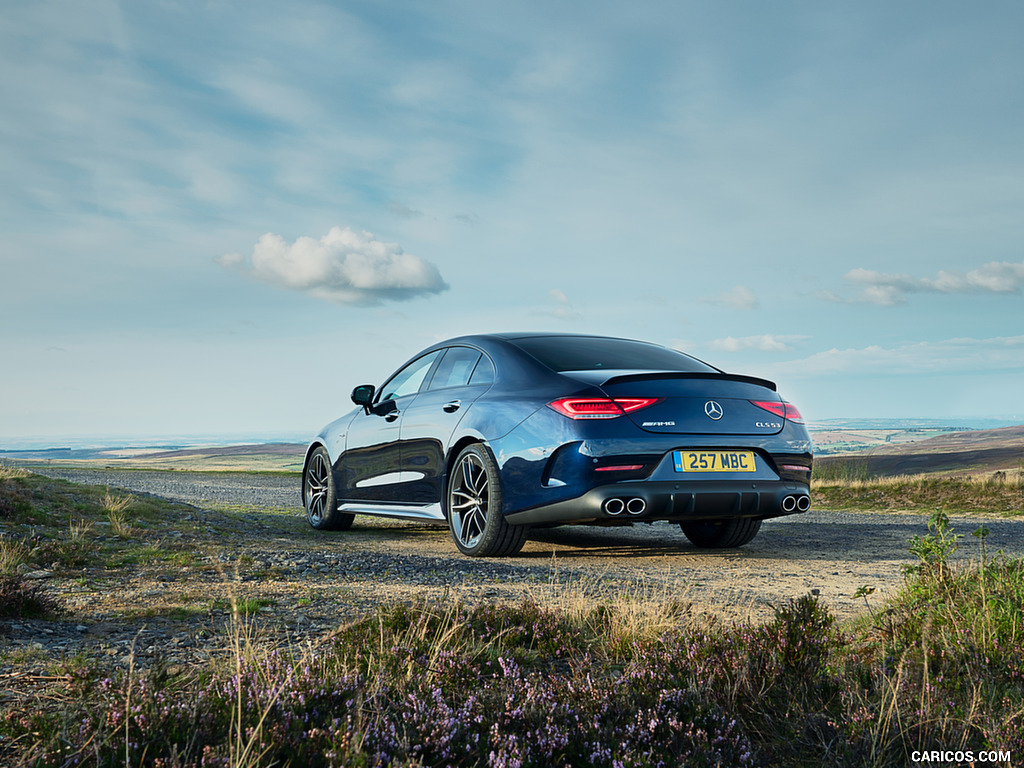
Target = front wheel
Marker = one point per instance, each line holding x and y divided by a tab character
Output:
720	534
318	494
474	507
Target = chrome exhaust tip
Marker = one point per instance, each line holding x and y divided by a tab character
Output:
803	503
789	504
636	506
614	507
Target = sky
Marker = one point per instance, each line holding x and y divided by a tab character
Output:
219	217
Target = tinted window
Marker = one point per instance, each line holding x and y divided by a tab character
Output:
568	353
455	368
484	372
408	380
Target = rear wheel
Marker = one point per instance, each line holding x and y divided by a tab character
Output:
319	496
474	507
720	534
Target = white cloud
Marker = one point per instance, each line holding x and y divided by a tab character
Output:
563	308
762	343
230	259
961	355
889	290
739	297
343	266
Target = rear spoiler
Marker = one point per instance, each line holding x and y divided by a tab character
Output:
692	375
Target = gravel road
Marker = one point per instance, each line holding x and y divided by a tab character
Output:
829	551
199	488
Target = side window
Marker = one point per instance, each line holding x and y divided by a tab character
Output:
408	380
484	372
455	368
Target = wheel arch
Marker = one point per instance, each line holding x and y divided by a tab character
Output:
453	453
305	462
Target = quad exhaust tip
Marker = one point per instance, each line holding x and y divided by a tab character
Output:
634	506
796	503
614	507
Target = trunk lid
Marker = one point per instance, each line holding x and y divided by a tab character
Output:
692	403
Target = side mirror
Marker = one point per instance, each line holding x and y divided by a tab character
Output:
363	395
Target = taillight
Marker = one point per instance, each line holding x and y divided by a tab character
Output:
599	407
781	409
793	414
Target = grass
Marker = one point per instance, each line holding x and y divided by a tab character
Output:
638	679
530	685
848	484
62	526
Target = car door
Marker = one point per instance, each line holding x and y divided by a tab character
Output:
459	379
370	468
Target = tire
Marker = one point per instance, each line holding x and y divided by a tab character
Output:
720	534
319	496
473	504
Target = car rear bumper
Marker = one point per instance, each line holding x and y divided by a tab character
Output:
666	500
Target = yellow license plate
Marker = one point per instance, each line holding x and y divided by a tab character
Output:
714	461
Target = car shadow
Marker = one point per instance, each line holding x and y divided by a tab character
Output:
866	539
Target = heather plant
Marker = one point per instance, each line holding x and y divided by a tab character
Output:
71	550
447	684
20	599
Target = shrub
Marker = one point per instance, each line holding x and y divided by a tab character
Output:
21	600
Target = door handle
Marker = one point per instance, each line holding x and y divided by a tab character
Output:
453	406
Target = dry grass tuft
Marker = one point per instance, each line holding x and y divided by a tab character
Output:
117	508
12	473
12	555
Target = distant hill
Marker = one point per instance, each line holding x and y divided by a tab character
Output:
265	457
897	450
967	452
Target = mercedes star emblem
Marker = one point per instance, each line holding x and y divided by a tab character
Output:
713	410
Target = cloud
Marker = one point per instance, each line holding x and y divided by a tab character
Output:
950	356
403	210
763	343
890	290
739	297
343	266
563	308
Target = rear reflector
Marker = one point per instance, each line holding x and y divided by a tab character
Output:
599	407
620	468
795	468
781	409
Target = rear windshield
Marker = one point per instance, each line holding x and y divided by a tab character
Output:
587	353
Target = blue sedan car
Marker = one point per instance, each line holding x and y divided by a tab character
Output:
496	434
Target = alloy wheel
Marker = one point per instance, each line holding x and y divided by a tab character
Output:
468	500
315	490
